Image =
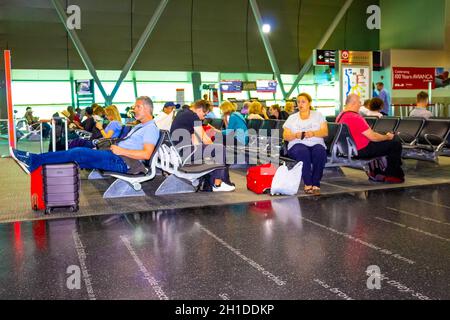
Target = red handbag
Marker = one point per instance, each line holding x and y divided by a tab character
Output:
259	178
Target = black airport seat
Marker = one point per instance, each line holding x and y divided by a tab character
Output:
430	142
385	125
371	121
266	127
334	131
434	135
346	153
408	130
331	119
254	124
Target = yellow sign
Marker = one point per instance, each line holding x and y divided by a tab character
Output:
356	57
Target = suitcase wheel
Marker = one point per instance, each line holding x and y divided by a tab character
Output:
48	210
73	208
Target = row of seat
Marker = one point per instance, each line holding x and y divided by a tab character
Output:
422	139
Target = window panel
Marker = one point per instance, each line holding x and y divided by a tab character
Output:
44	92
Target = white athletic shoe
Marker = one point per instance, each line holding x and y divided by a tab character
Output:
224	188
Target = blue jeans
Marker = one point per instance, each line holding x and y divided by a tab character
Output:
85	158
314	159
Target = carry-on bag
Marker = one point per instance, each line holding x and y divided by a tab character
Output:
61	186
37	190
259	178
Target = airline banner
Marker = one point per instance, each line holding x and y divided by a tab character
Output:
413	78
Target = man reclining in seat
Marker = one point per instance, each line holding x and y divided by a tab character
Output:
138	145
187	131
371	144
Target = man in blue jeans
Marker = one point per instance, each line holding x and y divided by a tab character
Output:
138	145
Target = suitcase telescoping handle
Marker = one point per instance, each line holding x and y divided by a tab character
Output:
54	133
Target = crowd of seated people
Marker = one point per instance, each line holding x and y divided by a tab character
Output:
304	133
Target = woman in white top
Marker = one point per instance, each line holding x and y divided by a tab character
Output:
305	131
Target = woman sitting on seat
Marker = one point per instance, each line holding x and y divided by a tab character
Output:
305	131
256	111
114	127
112	130
235	125
277	114
289	107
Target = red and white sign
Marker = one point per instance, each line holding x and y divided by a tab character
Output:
345	55
413	78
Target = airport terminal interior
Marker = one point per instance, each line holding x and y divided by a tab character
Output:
329	125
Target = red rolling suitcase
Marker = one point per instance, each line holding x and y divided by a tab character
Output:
259	178
61	186
37	190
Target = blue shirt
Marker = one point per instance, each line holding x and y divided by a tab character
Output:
116	127
141	134
210	115
386	100
238	126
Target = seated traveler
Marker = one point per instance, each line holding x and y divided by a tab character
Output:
138	145
34	123
235	125
165	118
372	108
256	111
112	130
305	131
187	130
277	114
420	111
290	107
371	144
114	127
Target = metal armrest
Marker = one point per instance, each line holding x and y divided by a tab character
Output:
430	135
183	162
352	151
406	135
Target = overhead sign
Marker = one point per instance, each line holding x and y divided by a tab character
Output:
356	57
413	78
266	85
231	86
324	57
328	58
180	96
249	86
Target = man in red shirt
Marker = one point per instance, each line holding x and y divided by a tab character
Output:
371	144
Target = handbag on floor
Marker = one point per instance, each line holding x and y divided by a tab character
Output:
286	182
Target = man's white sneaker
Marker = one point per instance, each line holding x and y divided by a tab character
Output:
224	188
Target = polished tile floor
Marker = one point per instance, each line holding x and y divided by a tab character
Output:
307	248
